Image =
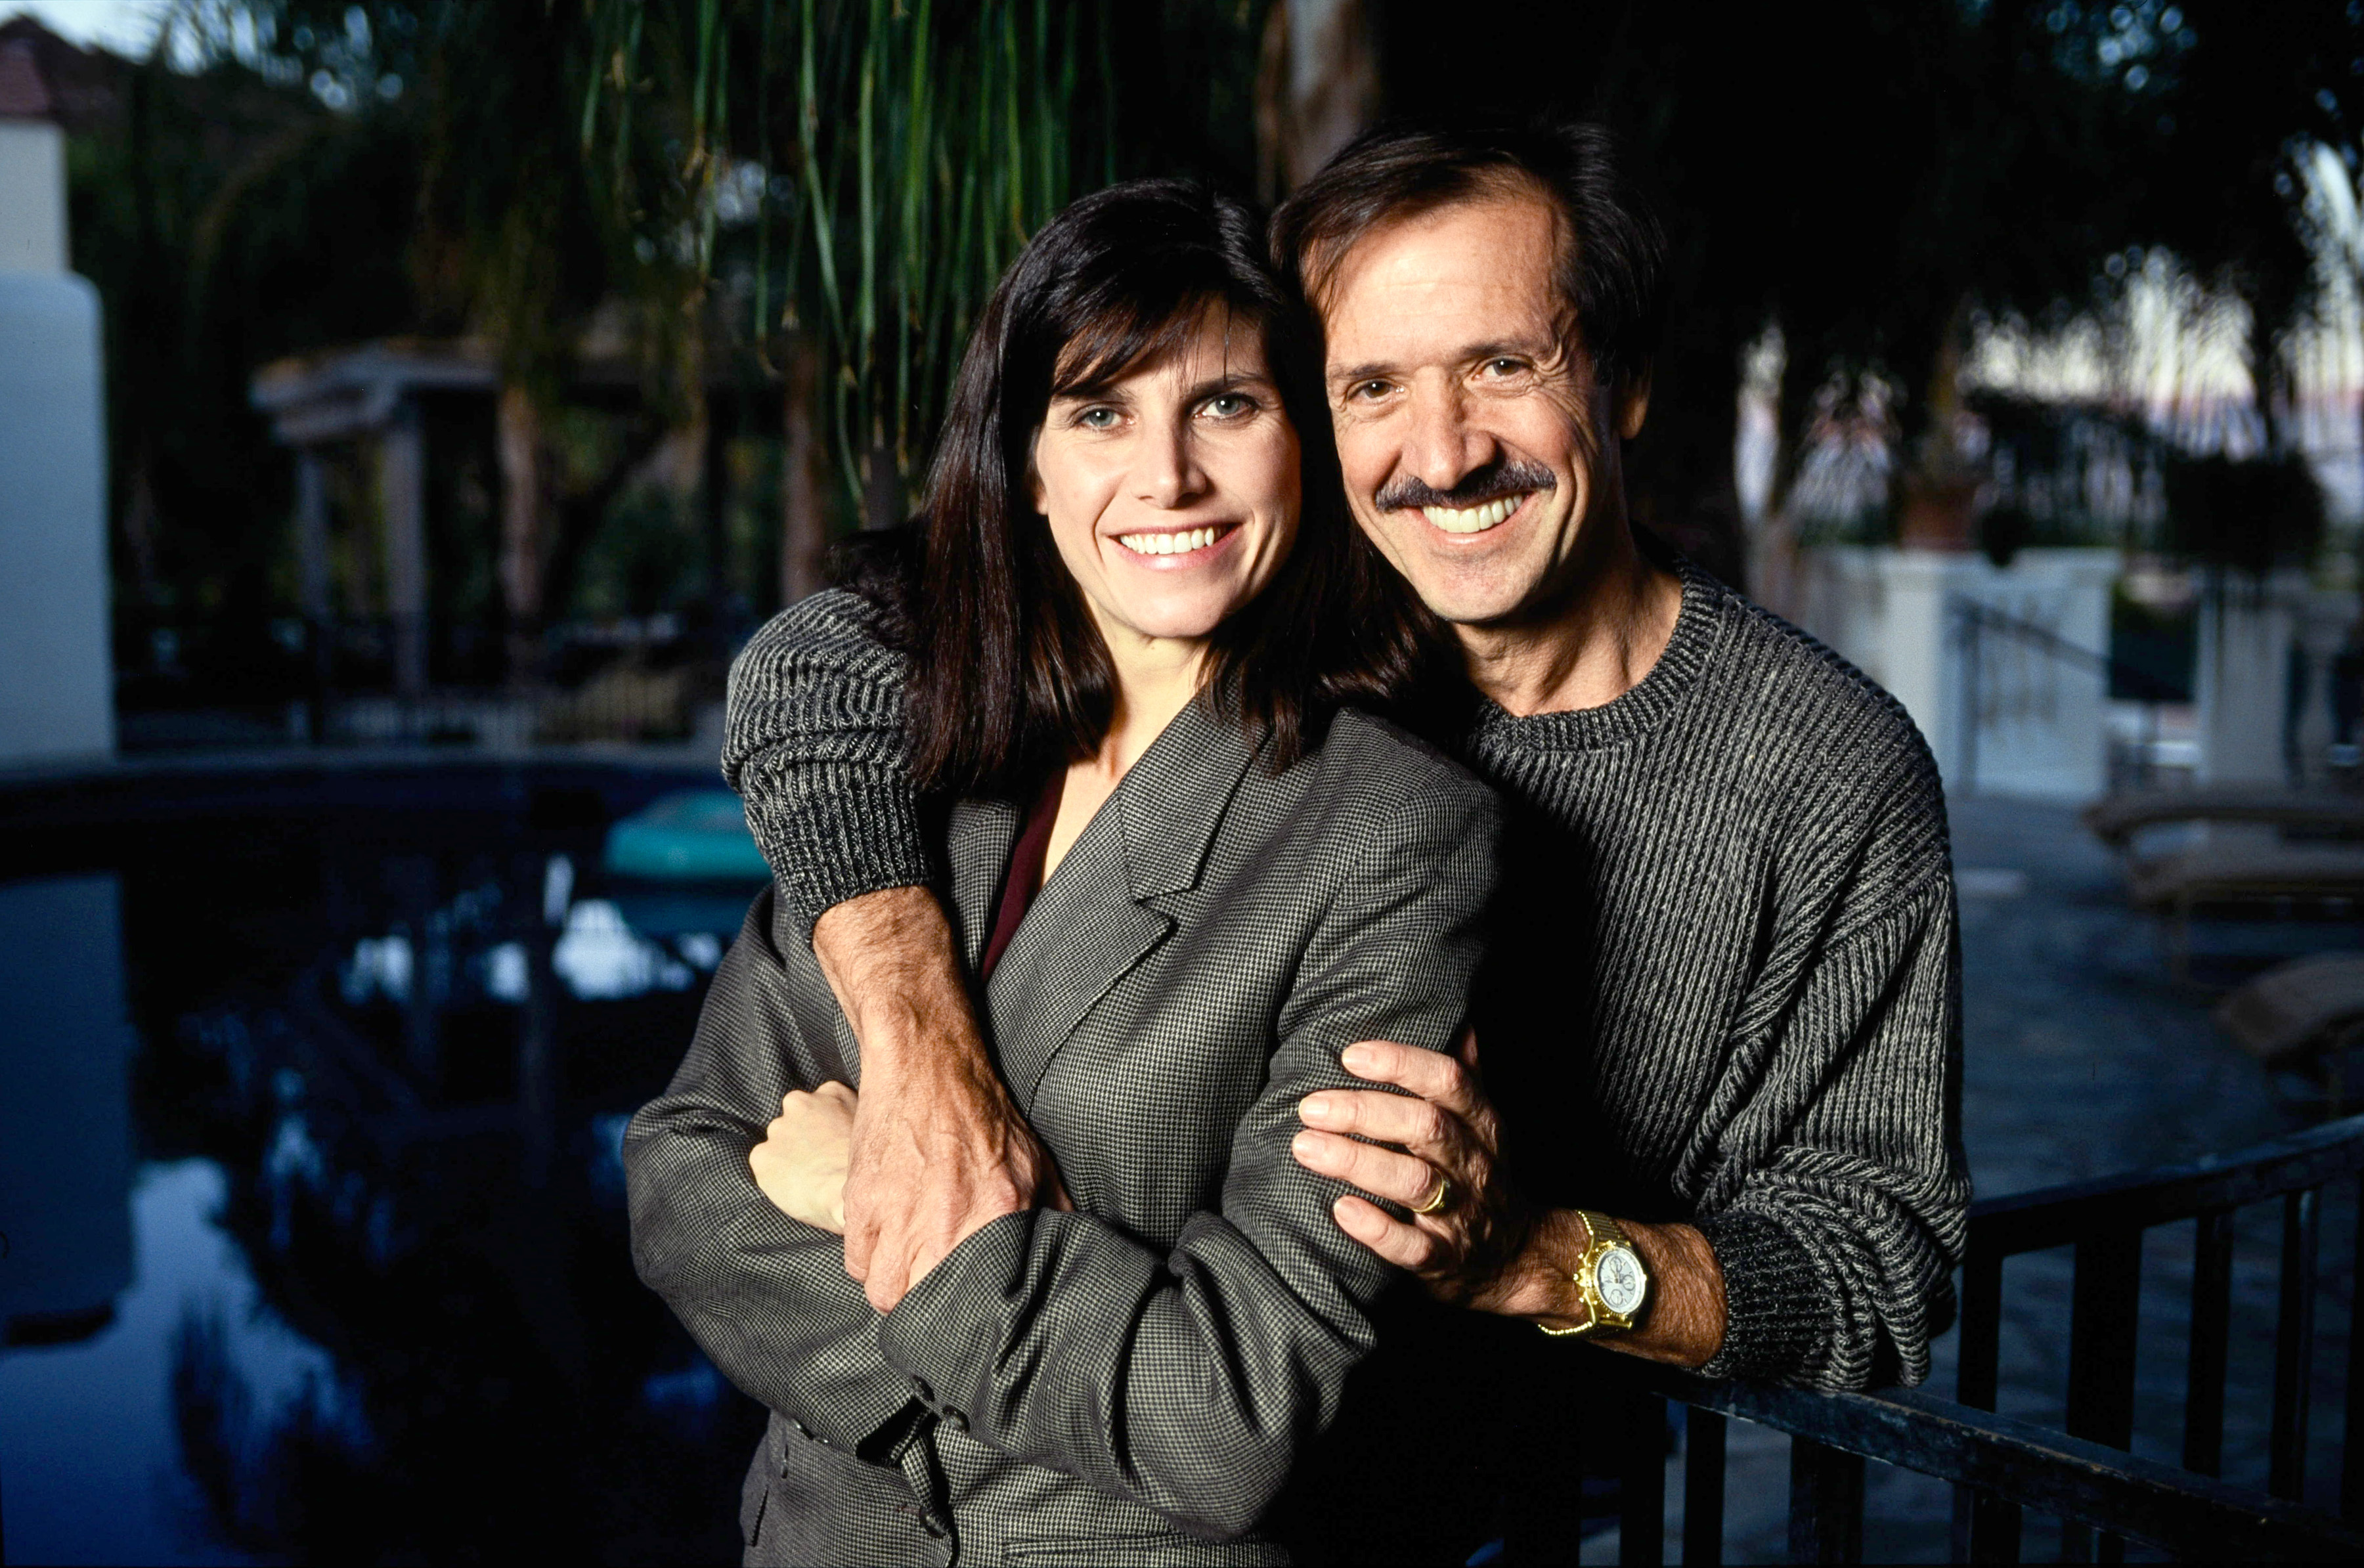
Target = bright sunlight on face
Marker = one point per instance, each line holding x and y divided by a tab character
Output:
1172	491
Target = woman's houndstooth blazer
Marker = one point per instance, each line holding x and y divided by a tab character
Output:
1132	1382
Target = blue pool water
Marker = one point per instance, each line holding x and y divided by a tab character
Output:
311	1102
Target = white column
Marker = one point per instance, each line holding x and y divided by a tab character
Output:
2246	629
57	680
402	504
32	197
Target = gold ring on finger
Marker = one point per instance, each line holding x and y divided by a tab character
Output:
1439	1197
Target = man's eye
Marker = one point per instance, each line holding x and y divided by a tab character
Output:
1369	389
1504	367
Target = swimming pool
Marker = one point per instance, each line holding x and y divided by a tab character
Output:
313	1077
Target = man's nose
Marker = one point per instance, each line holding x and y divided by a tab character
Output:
1166	473
1443	445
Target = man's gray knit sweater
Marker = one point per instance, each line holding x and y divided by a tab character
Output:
1725	985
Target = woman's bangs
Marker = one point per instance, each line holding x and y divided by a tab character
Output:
1128	336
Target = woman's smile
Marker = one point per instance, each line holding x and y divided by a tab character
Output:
1178	550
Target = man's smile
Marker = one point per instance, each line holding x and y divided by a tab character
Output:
1475	519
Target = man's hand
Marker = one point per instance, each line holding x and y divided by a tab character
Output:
1483	1246
800	1164
1449	1134
940	1149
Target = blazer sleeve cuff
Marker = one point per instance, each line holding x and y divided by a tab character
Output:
951	1334
1775	1307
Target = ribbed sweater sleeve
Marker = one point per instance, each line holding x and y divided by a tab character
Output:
814	744
1837	1215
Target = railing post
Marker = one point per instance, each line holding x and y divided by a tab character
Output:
1976	1378
1642	1492
1993	1529
1825	1503
1703	1434
2351	1457
2103	1306
2211	1325
2294	1345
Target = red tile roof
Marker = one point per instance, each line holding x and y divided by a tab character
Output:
23	94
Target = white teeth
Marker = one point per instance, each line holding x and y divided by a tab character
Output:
1181	544
1472	519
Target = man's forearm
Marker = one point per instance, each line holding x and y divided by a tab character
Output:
939	1147
1683	1323
889	956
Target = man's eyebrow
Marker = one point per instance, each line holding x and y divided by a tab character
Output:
1374	369
1509	348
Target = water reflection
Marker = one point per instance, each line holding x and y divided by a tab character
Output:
379	1304
65	1129
90	1433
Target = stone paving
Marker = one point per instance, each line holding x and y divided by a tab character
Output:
2084	1058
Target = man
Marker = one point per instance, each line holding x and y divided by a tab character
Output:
1722	1012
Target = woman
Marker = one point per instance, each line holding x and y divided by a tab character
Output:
1186	875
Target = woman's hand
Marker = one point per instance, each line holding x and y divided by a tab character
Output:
801	1162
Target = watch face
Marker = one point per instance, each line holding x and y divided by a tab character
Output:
1618	1277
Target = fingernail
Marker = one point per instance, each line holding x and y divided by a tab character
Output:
1304	1143
1314	1108
1358	1055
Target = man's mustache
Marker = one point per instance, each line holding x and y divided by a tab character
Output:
1511	477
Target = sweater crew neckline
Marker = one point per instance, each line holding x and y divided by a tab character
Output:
1640	710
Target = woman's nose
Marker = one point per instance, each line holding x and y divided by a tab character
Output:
1167	473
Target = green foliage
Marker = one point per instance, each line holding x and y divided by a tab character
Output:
863	171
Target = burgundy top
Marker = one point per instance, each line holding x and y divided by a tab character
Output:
1024	877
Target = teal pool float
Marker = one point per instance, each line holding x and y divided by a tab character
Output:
695	835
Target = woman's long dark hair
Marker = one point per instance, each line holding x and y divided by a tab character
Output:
1009	676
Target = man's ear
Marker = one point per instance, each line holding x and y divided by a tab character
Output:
1632	403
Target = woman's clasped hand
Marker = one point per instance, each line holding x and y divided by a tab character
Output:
800	1164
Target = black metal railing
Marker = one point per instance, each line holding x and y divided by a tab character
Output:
2004	1467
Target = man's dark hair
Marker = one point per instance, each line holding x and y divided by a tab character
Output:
1009	676
1612	247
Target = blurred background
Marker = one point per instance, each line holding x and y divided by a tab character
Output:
406	408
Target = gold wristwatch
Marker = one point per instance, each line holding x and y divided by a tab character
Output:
1610	1277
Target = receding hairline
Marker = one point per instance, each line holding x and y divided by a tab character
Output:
1324	258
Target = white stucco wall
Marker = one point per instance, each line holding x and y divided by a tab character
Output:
57	698
33	197
2039	730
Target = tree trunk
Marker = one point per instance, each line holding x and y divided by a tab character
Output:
524	531
1317	86
882	488
804	518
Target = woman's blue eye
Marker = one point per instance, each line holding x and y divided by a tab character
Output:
1097	418
1227	404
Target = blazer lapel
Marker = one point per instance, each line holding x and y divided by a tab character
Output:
978	839
1093	920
